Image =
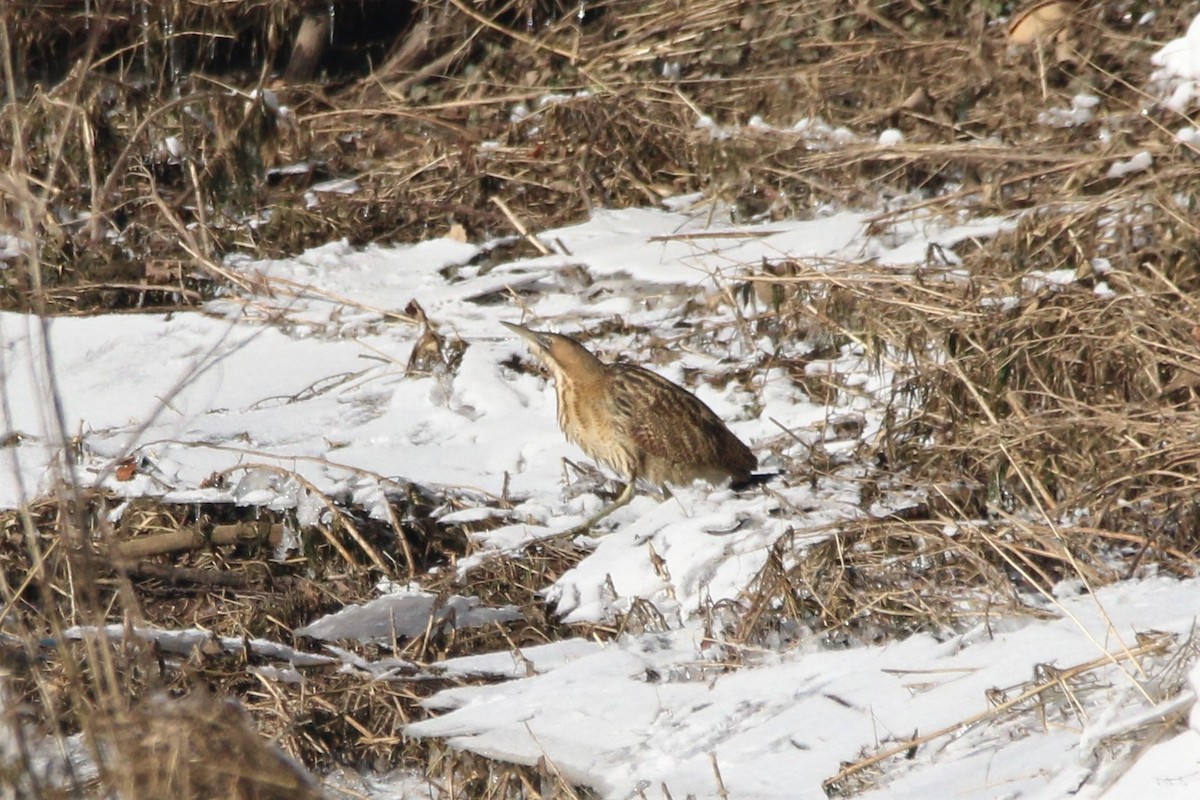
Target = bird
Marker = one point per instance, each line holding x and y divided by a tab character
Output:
636	422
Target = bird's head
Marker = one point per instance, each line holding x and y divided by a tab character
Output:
561	354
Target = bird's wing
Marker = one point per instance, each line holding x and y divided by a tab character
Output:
671	423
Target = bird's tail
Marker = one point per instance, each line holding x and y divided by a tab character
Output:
755	479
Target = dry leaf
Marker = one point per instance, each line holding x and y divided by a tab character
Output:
1038	21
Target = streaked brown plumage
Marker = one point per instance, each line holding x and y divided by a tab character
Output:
636	422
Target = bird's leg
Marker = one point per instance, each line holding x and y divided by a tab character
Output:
622	500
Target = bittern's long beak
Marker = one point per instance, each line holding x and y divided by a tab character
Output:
538	339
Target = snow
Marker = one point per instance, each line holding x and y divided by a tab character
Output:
1178	70
405	615
337	186
1081	112
1140	162
183	642
1167	772
656	709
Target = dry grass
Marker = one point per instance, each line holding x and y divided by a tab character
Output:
1053	434
147	154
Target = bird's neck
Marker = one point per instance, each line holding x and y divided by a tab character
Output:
581	389
582	378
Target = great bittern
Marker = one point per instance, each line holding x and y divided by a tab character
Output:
638	423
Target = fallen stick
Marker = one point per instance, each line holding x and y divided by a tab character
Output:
179	541
175	575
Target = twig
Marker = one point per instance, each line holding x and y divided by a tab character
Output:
177	541
334	509
174	575
722	792
520	226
